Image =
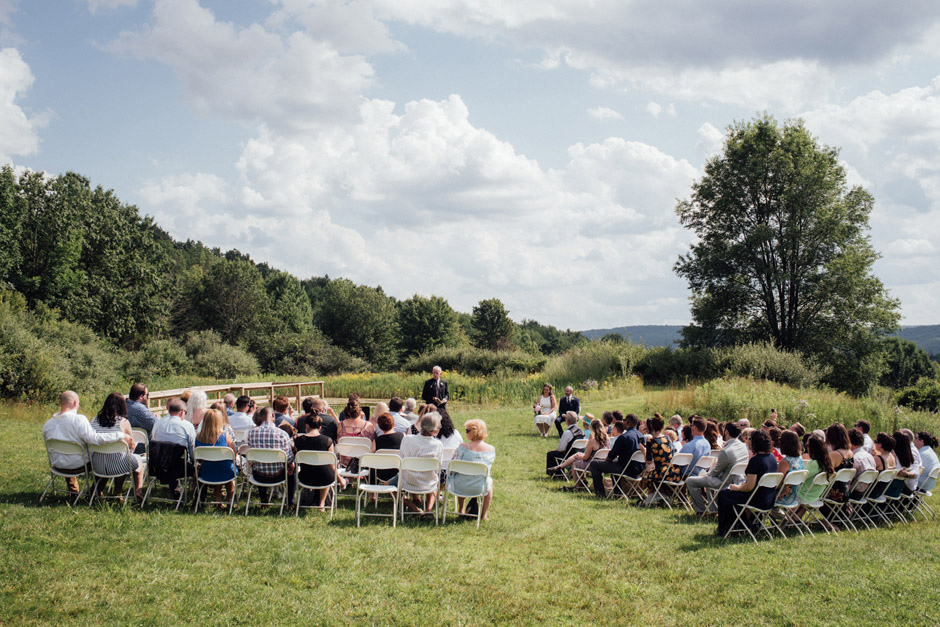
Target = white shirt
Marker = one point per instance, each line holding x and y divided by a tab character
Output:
453	441
930	461
863	461
241	421
868	445
420	446
411	417
401	424
73	427
174	429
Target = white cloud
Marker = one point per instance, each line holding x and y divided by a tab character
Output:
654	108
604	113
710	140
94	5
250	73
17	129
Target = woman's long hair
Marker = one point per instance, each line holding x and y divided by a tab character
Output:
198	400
820	454
447	425
352	409
113	410
902	449
600	432
211	427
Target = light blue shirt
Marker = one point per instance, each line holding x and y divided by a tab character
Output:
698	447
929	460
172	429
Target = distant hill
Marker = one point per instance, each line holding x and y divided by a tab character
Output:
927	336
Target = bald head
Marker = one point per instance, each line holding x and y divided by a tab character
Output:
68	400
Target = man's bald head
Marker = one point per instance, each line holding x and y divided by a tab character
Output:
68	400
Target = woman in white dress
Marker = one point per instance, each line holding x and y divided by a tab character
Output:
546	410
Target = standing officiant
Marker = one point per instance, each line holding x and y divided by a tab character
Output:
435	389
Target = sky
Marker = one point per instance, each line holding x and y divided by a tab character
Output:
529	150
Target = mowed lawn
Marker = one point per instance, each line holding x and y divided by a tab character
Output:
545	557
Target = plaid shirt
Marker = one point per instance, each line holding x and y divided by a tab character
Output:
269	436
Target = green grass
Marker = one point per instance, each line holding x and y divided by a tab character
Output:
546	557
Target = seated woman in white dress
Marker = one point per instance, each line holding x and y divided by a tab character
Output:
474	450
546	410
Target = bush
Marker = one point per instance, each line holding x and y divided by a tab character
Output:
306	354
475	361
922	396
211	357
596	361
159	358
662	365
764	361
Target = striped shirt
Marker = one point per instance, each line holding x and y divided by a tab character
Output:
112	463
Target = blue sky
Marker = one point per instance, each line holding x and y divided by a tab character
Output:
529	150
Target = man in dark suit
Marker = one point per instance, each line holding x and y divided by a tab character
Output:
568	402
626	444
435	389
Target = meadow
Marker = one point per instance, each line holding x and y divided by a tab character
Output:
545	557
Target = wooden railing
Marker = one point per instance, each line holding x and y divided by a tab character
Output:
262	393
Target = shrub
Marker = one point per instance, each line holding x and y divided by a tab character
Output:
662	365
306	354
475	361
596	361
923	395
764	361
211	357
159	358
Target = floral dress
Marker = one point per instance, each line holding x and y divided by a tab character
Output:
659	451
788	493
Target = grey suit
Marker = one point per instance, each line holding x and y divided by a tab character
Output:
734	452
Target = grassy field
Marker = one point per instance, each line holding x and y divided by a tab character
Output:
546	557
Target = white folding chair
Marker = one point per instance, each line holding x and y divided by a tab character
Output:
419	464
738	470
141	437
704	465
858	503
633	483
203	454
64	447
446	456
877	502
119	447
372	461
266	456
153	480
241	436
352	450
814	506
794	480
835	510
316	458
388	451
355	439
680	461
771	480
577	446
580	474
470	469
924	492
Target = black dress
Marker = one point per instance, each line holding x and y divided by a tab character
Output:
388	441
315	475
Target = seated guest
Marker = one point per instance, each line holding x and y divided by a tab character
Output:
70	426
196	406
864	427
926	443
627	443
408	412
219	406
474	450
423	445
659	455
759	465
819	461
599	440
908	466
229	401
390	439
673	440
916	453
675	423
348	411
734	452
314	440
883	452
546	410
111	419
743	424
380	408
402	424
799	429
713	437
698	446
267	435
283	412
448	435
211	433
354	423
686	434
774	434
240	420
861	460
837	439
790	451
172	427
568	402
572	433
318	407
608	419
138	414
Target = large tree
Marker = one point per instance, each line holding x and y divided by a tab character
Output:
491	324
425	324
782	252
359	319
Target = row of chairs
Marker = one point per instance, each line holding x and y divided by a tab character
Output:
355	448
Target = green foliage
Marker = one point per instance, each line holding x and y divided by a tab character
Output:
289	303
905	363
212	357
783	255
425	324
305	355
531	336
478	361
11	222
158	358
360	320
613	337
922	396
594	361
763	361
491	326
233	301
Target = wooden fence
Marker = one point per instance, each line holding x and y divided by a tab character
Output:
262	393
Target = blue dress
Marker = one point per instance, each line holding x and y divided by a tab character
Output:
788	494
468	484
217	471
